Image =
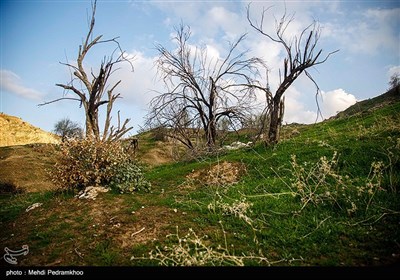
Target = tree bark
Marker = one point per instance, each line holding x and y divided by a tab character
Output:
276	121
211	128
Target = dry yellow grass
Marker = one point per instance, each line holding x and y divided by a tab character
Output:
15	131
25	166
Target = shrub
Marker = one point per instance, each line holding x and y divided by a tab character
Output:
194	250
159	133
84	162
320	183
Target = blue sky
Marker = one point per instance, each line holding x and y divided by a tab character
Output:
37	35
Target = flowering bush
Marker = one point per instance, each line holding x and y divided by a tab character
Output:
85	162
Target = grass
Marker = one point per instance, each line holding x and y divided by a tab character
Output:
14	131
260	220
25	166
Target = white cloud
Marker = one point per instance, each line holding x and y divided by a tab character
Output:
330	103
295	112
185	10
368	32
335	101
219	18
212	53
136	88
393	70
11	82
212	23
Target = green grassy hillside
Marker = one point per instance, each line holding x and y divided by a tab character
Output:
328	196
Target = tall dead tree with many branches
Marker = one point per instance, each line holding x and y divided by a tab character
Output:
93	90
301	53
201	90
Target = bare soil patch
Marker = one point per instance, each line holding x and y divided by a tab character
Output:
161	152
26	166
221	174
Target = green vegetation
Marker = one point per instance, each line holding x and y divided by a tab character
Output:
326	196
82	163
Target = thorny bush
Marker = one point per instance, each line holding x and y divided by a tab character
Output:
84	162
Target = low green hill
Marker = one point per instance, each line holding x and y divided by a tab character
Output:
368	105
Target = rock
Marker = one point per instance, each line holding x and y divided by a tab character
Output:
33	206
237	145
91	192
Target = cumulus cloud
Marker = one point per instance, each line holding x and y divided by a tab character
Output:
11	82
296	112
335	101
186	10
220	18
214	21
330	103
212	53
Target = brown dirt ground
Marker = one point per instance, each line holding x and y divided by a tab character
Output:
25	166
161	153
221	174
67	231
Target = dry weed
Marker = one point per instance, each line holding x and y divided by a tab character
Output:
193	250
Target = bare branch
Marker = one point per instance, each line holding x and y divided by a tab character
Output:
91	96
59	99
301	54
200	90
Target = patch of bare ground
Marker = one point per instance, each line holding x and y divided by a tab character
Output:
162	152
158	155
151	224
25	166
221	174
71	231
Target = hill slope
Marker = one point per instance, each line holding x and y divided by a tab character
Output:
14	131
328	196
369	105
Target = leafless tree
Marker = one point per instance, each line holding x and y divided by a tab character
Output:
394	80
202	90
66	128
94	90
301	53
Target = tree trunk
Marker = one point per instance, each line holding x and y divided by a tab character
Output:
277	112
92	126
211	127
211	135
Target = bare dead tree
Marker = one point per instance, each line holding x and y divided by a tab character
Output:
302	53
201	90
66	128
93	90
394	81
